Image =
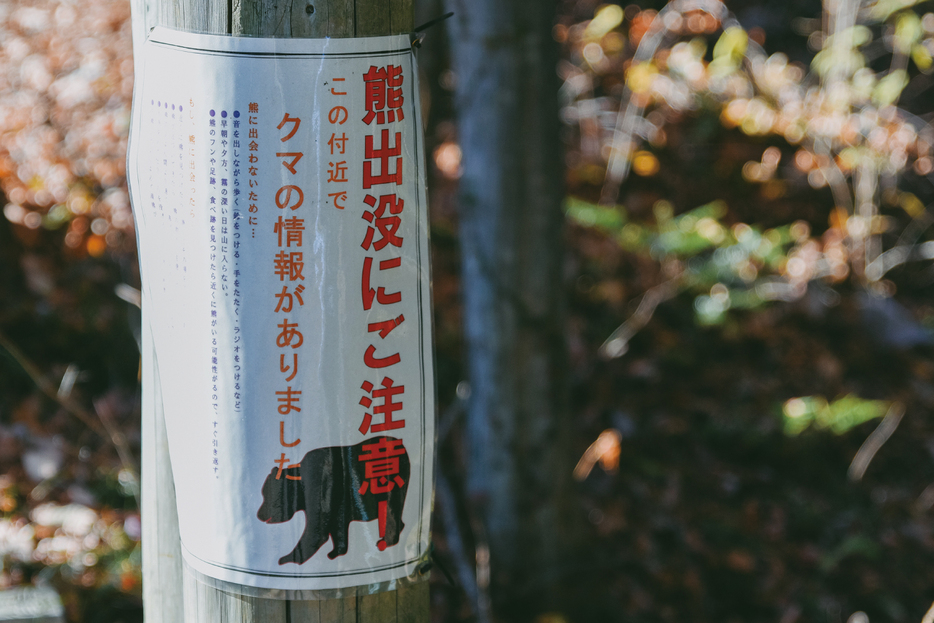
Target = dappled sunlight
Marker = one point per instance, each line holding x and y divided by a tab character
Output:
837	119
66	79
752	221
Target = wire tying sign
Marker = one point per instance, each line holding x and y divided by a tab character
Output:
278	189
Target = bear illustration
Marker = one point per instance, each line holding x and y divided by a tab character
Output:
335	486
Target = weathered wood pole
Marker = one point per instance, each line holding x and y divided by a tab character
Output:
171	594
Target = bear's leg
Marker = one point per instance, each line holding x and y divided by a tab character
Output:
306	547
340	533
394	523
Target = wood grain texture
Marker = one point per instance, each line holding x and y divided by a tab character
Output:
373	18
402	18
172	594
412	603
368	608
268	19
308	20
342	610
341	18
256	610
305	611
202	15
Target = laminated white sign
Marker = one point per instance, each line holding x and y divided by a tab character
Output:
278	189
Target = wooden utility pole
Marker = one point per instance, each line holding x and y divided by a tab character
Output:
170	593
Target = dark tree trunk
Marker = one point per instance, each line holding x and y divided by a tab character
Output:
512	248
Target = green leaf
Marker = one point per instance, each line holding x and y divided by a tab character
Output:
883	9
606	19
847	61
799	413
908	31
729	51
890	88
593	215
839	416
732	43
921	56
682	244
849	412
856	545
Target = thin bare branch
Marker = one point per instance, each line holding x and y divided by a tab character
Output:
618	343
49	389
622	145
102	424
898	256
875	441
118	439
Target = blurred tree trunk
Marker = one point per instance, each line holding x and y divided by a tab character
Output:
511	192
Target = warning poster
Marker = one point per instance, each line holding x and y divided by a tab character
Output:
278	190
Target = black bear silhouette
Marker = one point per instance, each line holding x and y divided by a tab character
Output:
335	486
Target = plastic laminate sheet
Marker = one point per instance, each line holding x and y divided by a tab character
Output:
278	190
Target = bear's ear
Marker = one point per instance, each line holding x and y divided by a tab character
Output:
270	484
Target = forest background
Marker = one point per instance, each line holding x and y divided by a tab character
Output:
747	279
